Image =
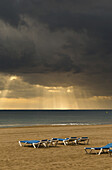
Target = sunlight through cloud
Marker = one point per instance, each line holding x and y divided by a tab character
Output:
13	78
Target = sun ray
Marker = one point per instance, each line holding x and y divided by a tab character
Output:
5	91
61	98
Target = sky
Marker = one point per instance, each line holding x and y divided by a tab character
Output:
55	54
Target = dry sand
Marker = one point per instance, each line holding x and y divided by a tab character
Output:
14	157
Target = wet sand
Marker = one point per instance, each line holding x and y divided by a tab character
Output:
14	157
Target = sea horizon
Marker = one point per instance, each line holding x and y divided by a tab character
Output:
20	118
53	109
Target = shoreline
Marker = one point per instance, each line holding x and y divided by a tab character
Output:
54	125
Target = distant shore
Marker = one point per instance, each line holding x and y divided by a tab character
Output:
14	157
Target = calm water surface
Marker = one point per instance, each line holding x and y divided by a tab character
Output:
15	118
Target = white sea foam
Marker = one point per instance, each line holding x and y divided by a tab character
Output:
64	124
58	124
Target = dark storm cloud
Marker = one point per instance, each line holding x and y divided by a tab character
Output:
34	49
9	11
60	14
57	42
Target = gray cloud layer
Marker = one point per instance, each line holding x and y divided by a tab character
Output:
58	43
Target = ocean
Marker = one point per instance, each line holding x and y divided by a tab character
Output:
20	118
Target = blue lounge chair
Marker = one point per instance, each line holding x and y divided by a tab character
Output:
101	149
53	142
44	143
68	140
31	142
35	143
72	140
85	140
64	141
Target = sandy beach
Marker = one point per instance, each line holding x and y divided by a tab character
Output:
14	157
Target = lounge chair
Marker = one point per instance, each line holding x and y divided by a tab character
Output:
101	149
31	142
85	140
72	140
64	141
68	140
35	143
44	143
53	142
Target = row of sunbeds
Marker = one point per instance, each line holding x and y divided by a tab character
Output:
55	141
66	141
